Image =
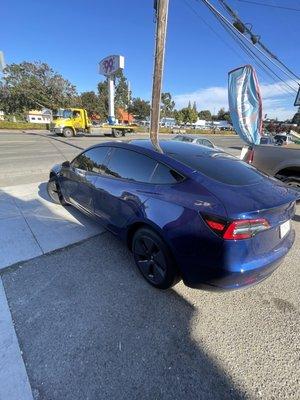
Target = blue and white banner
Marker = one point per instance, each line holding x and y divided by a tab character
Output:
245	104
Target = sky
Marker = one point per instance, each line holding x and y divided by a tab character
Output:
73	36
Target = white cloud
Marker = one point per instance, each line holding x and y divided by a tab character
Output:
276	102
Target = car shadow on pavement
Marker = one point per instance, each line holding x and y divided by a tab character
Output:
90	327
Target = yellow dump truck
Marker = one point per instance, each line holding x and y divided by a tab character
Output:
74	120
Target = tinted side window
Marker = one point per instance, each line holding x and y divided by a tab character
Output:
164	174
91	160
130	165
219	166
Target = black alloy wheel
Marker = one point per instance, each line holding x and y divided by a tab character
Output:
153	259
54	192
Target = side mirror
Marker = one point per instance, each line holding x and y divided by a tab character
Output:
66	164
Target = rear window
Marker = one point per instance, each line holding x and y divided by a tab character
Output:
220	166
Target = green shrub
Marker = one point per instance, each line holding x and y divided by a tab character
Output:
21	125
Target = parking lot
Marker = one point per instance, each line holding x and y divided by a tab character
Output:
85	325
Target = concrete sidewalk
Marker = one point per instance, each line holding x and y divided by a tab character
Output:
31	225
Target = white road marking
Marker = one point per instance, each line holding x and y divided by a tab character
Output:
14	382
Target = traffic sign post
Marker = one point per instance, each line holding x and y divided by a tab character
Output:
108	67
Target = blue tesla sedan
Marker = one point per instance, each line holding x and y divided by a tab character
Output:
191	213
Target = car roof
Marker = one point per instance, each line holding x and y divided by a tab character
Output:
170	149
172	146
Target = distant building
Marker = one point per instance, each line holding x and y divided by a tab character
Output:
1	115
167	121
39	116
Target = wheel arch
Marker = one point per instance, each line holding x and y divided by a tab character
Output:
288	171
135	226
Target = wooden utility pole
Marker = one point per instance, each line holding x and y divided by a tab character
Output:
160	41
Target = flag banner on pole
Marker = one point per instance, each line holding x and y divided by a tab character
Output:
245	104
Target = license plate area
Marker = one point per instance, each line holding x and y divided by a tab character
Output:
284	229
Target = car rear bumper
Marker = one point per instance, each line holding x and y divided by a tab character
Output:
219	279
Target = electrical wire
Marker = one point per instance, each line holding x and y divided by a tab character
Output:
259	42
249	52
269	5
220	17
212	29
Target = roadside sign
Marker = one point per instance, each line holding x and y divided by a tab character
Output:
111	64
297	101
2	62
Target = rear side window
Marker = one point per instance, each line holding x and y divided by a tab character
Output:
219	166
164	175
91	160
127	164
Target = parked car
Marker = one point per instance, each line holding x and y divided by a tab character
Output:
195	139
191	213
267	140
282	162
282	139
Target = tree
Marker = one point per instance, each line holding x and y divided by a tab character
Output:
122	93
296	118
34	85
103	100
139	108
178	115
189	115
167	105
224	115
90	101
205	114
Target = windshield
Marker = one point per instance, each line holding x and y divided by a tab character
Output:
67	114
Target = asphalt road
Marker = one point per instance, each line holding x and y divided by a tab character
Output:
28	157
89	327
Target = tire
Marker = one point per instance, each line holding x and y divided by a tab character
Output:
293	182
153	259
68	132
116	133
54	192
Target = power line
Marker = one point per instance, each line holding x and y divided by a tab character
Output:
220	17
254	38
269	5
259	63
213	30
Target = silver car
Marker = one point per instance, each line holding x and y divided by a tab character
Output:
195	139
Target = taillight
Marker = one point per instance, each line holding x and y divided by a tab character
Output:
250	156
238	229
245	229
